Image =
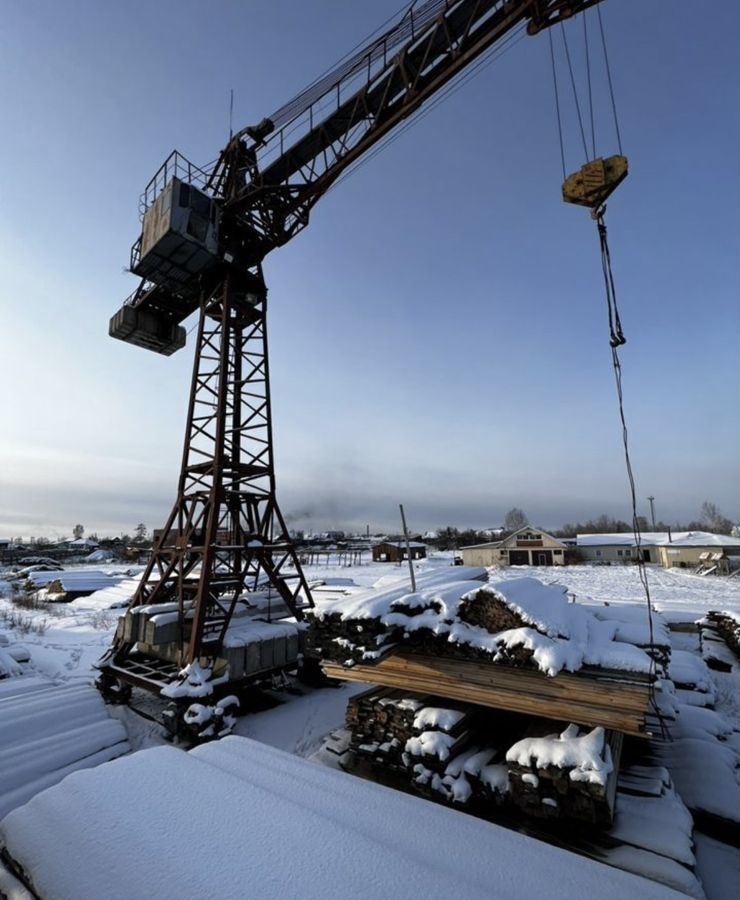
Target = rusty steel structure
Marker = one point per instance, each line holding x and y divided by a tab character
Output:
205	235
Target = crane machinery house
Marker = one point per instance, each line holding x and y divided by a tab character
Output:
179	237
526	547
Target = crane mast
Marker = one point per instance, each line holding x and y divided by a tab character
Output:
205	234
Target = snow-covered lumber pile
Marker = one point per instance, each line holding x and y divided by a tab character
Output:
517	645
117	595
48	731
572	774
692	679
441	749
12	657
703	757
634	625
100	833
653	832
521	622
363	626
69	584
473	758
719	631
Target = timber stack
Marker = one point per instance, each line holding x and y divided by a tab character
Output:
483	761
719	631
517	645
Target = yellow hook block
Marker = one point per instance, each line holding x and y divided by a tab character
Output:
595	181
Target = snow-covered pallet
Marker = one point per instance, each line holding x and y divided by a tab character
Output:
48	731
99	834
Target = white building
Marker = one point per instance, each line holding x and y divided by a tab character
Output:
677	549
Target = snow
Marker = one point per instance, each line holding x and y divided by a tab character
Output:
688	669
431	743
718	866
676	591
378	601
9	666
111	596
194	681
656	866
77	633
631	623
47	731
661	824
350	837
705	724
543	606
435	717
705	774
586	755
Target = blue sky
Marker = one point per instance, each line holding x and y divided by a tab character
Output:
438	334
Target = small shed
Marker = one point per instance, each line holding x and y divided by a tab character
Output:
527	546
395	551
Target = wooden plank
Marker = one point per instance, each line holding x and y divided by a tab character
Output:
519	700
563	686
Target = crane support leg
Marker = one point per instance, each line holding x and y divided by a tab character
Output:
225	540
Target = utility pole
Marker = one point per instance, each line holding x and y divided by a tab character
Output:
652	511
408	548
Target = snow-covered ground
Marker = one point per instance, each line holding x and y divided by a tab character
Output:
64	641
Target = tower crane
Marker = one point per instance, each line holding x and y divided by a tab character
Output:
205	234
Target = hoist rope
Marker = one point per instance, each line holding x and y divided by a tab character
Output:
609	79
616	339
557	101
616	335
588	79
575	92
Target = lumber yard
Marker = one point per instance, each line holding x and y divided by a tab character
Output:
484	731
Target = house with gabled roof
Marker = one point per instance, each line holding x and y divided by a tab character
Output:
527	546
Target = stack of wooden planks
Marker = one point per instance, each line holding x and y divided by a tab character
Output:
446	751
618	701
543	789
718	632
483	760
